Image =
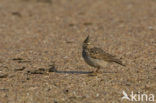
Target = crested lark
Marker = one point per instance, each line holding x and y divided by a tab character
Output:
96	57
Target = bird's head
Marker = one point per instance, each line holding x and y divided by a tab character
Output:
86	42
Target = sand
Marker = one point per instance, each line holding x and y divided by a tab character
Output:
38	37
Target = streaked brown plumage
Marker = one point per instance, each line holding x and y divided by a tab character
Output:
96	57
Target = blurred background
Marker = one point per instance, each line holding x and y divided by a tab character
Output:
36	34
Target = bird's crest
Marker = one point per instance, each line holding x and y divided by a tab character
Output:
86	40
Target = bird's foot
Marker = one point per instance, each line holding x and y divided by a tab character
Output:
93	73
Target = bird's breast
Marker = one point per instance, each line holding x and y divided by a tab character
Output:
91	61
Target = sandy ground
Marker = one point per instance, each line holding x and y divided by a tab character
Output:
39	36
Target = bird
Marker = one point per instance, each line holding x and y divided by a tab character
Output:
97	57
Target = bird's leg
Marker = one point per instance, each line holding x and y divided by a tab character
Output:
94	73
97	70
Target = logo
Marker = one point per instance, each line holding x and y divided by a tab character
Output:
138	97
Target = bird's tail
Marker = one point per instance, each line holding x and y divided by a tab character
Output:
119	62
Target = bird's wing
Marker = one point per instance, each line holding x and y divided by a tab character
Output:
98	53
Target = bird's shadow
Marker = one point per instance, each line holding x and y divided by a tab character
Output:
53	69
76	72
73	72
